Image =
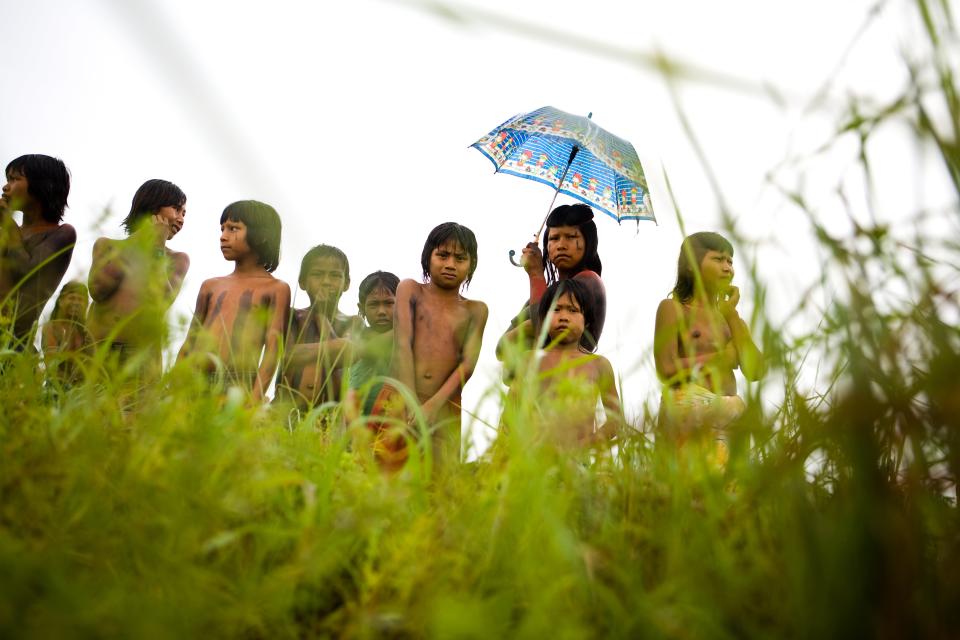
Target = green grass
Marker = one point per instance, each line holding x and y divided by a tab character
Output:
835	517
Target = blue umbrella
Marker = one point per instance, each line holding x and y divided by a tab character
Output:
574	156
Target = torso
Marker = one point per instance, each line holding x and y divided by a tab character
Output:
705	331
440	327
236	312
135	314
569	385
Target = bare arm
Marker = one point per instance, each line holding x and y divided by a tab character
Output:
338	350
180	264
404	310
750	357
106	272
607	385
199	319
271	351
671	366
48	339
468	362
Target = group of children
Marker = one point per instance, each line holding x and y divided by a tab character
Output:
398	367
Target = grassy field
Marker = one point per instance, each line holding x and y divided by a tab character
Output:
836	515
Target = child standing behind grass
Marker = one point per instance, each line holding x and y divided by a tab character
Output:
373	346
240	318
437	336
699	340
570	378
34	255
134	281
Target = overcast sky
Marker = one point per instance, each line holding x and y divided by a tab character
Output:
354	120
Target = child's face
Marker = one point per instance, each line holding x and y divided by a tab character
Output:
233	239
449	265
565	247
325	280
16	192
716	269
567	322
378	310
171	218
74	304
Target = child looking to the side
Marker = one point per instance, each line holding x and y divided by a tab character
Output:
240	318
135	280
699	340
437	336
35	254
570	378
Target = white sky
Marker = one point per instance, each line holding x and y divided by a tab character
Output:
354	119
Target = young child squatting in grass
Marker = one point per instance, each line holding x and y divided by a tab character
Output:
240	318
34	255
64	338
699	340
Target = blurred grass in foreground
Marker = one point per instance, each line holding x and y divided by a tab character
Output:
835	517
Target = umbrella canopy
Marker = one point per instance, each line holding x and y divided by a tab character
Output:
605	171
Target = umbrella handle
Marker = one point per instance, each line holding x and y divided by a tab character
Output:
512	261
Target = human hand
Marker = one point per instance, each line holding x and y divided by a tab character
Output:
532	259
728	302
163	226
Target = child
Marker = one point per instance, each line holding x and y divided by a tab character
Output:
316	350
570	377
374	344
239	319
699	340
65	336
438	333
35	255
134	281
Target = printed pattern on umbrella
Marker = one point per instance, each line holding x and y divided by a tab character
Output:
605	174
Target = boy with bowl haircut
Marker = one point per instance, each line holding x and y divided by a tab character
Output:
134	281
34	256
239	319
438	333
317	351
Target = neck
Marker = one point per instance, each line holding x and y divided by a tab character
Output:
440	291
248	264
324	309
33	217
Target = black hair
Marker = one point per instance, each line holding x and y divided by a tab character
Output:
74	286
263	229
580	216
444	233
581	293
48	182
696	246
377	280
152	196
324	251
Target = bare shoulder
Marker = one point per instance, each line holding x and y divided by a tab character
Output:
668	309
103	244
408	287
180	260
65	234
478	309
589	276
